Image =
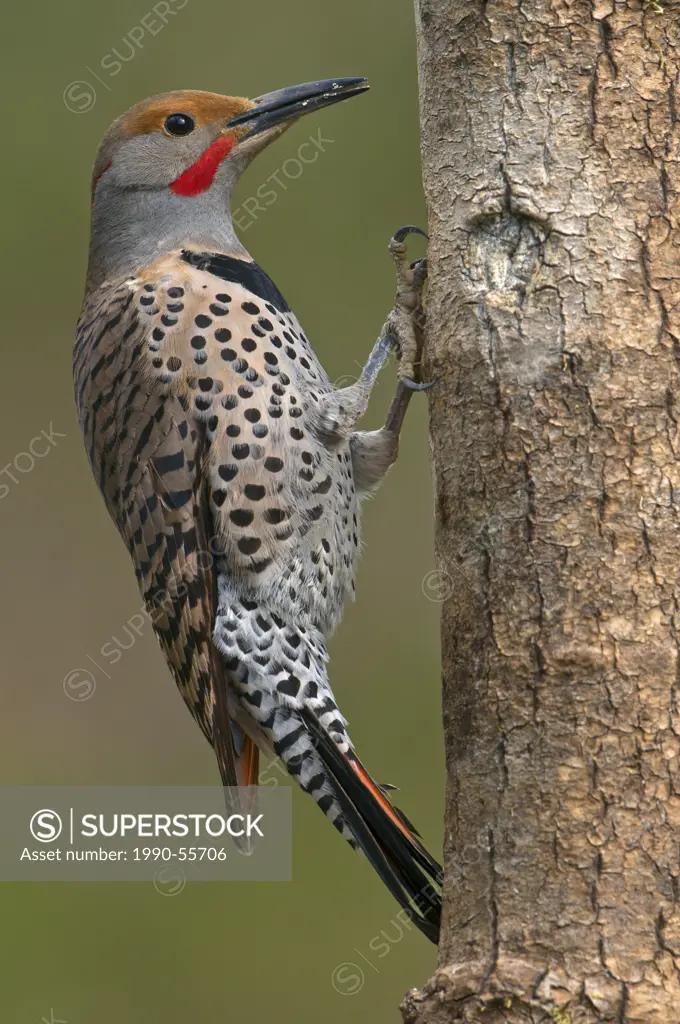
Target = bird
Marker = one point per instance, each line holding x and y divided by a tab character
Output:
227	459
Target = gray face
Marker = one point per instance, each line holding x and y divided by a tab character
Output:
136	213
155	160
137	216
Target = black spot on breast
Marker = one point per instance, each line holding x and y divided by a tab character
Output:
252	415
248	345
273	465
217	310
174	363
175	293
175	307
289	686
296	433
259	567
259	430
233	430
315	513
307	458
198	341
249	545
255	492
270	358
324	487
205	383
222	335
228	355
227	473
157	334
202	320
241	516
275	515
218	497
240	451
229	401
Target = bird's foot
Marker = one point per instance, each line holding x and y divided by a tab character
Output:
405	324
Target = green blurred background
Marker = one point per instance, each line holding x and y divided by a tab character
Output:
110	953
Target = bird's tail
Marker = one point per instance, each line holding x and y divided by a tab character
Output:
381	831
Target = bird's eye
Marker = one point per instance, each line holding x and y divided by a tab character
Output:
179	124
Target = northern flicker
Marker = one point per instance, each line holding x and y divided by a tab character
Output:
229	462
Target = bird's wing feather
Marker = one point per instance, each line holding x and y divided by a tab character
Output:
146	451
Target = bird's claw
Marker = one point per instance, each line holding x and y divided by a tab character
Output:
409	229
407	318
415	385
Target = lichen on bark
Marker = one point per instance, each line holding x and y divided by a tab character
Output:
550	165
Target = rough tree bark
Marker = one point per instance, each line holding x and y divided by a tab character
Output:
550	149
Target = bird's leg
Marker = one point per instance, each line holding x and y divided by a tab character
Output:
405	322
340	411
373	452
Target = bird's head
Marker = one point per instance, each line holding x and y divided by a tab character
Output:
165	169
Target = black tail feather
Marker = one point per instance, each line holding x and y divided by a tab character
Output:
396	857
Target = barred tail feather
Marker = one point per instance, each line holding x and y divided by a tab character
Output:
382	833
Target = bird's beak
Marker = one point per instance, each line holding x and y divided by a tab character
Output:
286	105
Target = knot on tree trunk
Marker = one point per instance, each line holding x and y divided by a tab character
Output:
515	992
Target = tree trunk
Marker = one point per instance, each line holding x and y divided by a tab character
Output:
550	150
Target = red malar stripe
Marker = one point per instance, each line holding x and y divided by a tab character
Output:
200	176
